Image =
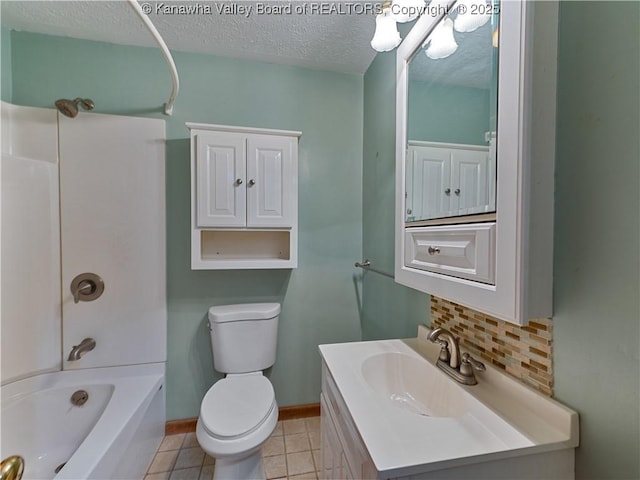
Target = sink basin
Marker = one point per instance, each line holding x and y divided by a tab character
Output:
415	421
413	385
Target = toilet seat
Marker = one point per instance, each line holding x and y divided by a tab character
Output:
237	405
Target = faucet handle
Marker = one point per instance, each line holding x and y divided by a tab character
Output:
469	364
86	287
444	350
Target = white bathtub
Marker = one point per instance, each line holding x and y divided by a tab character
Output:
114	435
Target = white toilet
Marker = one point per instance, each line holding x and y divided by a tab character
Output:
239	412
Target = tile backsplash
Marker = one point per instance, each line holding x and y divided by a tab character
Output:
524	352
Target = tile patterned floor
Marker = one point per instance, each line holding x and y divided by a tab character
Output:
291	453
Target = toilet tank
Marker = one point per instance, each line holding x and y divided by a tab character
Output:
244	336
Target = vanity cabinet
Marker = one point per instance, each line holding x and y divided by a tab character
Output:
244	197
388	412
343	454
447	179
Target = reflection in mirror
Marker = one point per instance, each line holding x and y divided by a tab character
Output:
452	117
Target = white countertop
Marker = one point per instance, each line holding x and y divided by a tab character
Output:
504	417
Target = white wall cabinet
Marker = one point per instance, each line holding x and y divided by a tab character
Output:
510	276
448	180
244	197
245	180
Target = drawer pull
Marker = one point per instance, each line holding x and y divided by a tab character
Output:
433	250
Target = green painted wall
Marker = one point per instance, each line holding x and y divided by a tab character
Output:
434	108
320	299
389	310
6	80
597	311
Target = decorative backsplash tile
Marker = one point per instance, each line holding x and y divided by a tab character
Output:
523	352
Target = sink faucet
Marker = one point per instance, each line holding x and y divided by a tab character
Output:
459	367
77	351
451	341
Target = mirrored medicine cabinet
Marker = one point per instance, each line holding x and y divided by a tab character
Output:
475	142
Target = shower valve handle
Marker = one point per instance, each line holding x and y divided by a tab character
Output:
86	287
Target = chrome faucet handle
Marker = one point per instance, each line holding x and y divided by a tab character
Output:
469	364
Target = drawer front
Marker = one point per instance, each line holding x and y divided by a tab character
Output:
463	251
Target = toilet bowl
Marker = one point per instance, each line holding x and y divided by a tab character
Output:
239	413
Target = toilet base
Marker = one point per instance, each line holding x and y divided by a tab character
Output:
249	468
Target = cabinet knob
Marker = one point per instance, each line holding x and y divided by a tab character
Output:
252	182
457	191
433	250
447	191
239	181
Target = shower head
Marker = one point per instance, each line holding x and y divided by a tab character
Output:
70	107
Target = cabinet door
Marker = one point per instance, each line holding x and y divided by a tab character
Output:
469	182
220	176
272	181
331	455
431	170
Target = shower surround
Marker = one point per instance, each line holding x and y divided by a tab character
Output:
87	196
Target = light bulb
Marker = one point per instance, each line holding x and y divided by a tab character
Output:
472	14
441	41
404	11
386	36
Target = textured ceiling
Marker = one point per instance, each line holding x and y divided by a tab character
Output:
335	39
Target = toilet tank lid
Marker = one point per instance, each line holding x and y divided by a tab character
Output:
243	311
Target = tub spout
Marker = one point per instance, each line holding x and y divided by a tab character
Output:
77	351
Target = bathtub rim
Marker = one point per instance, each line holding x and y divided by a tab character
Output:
135	387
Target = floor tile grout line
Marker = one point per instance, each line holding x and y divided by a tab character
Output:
307	430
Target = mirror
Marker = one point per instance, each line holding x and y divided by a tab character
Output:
452	117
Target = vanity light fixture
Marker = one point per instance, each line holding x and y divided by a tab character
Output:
386	36
441	42
472	14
